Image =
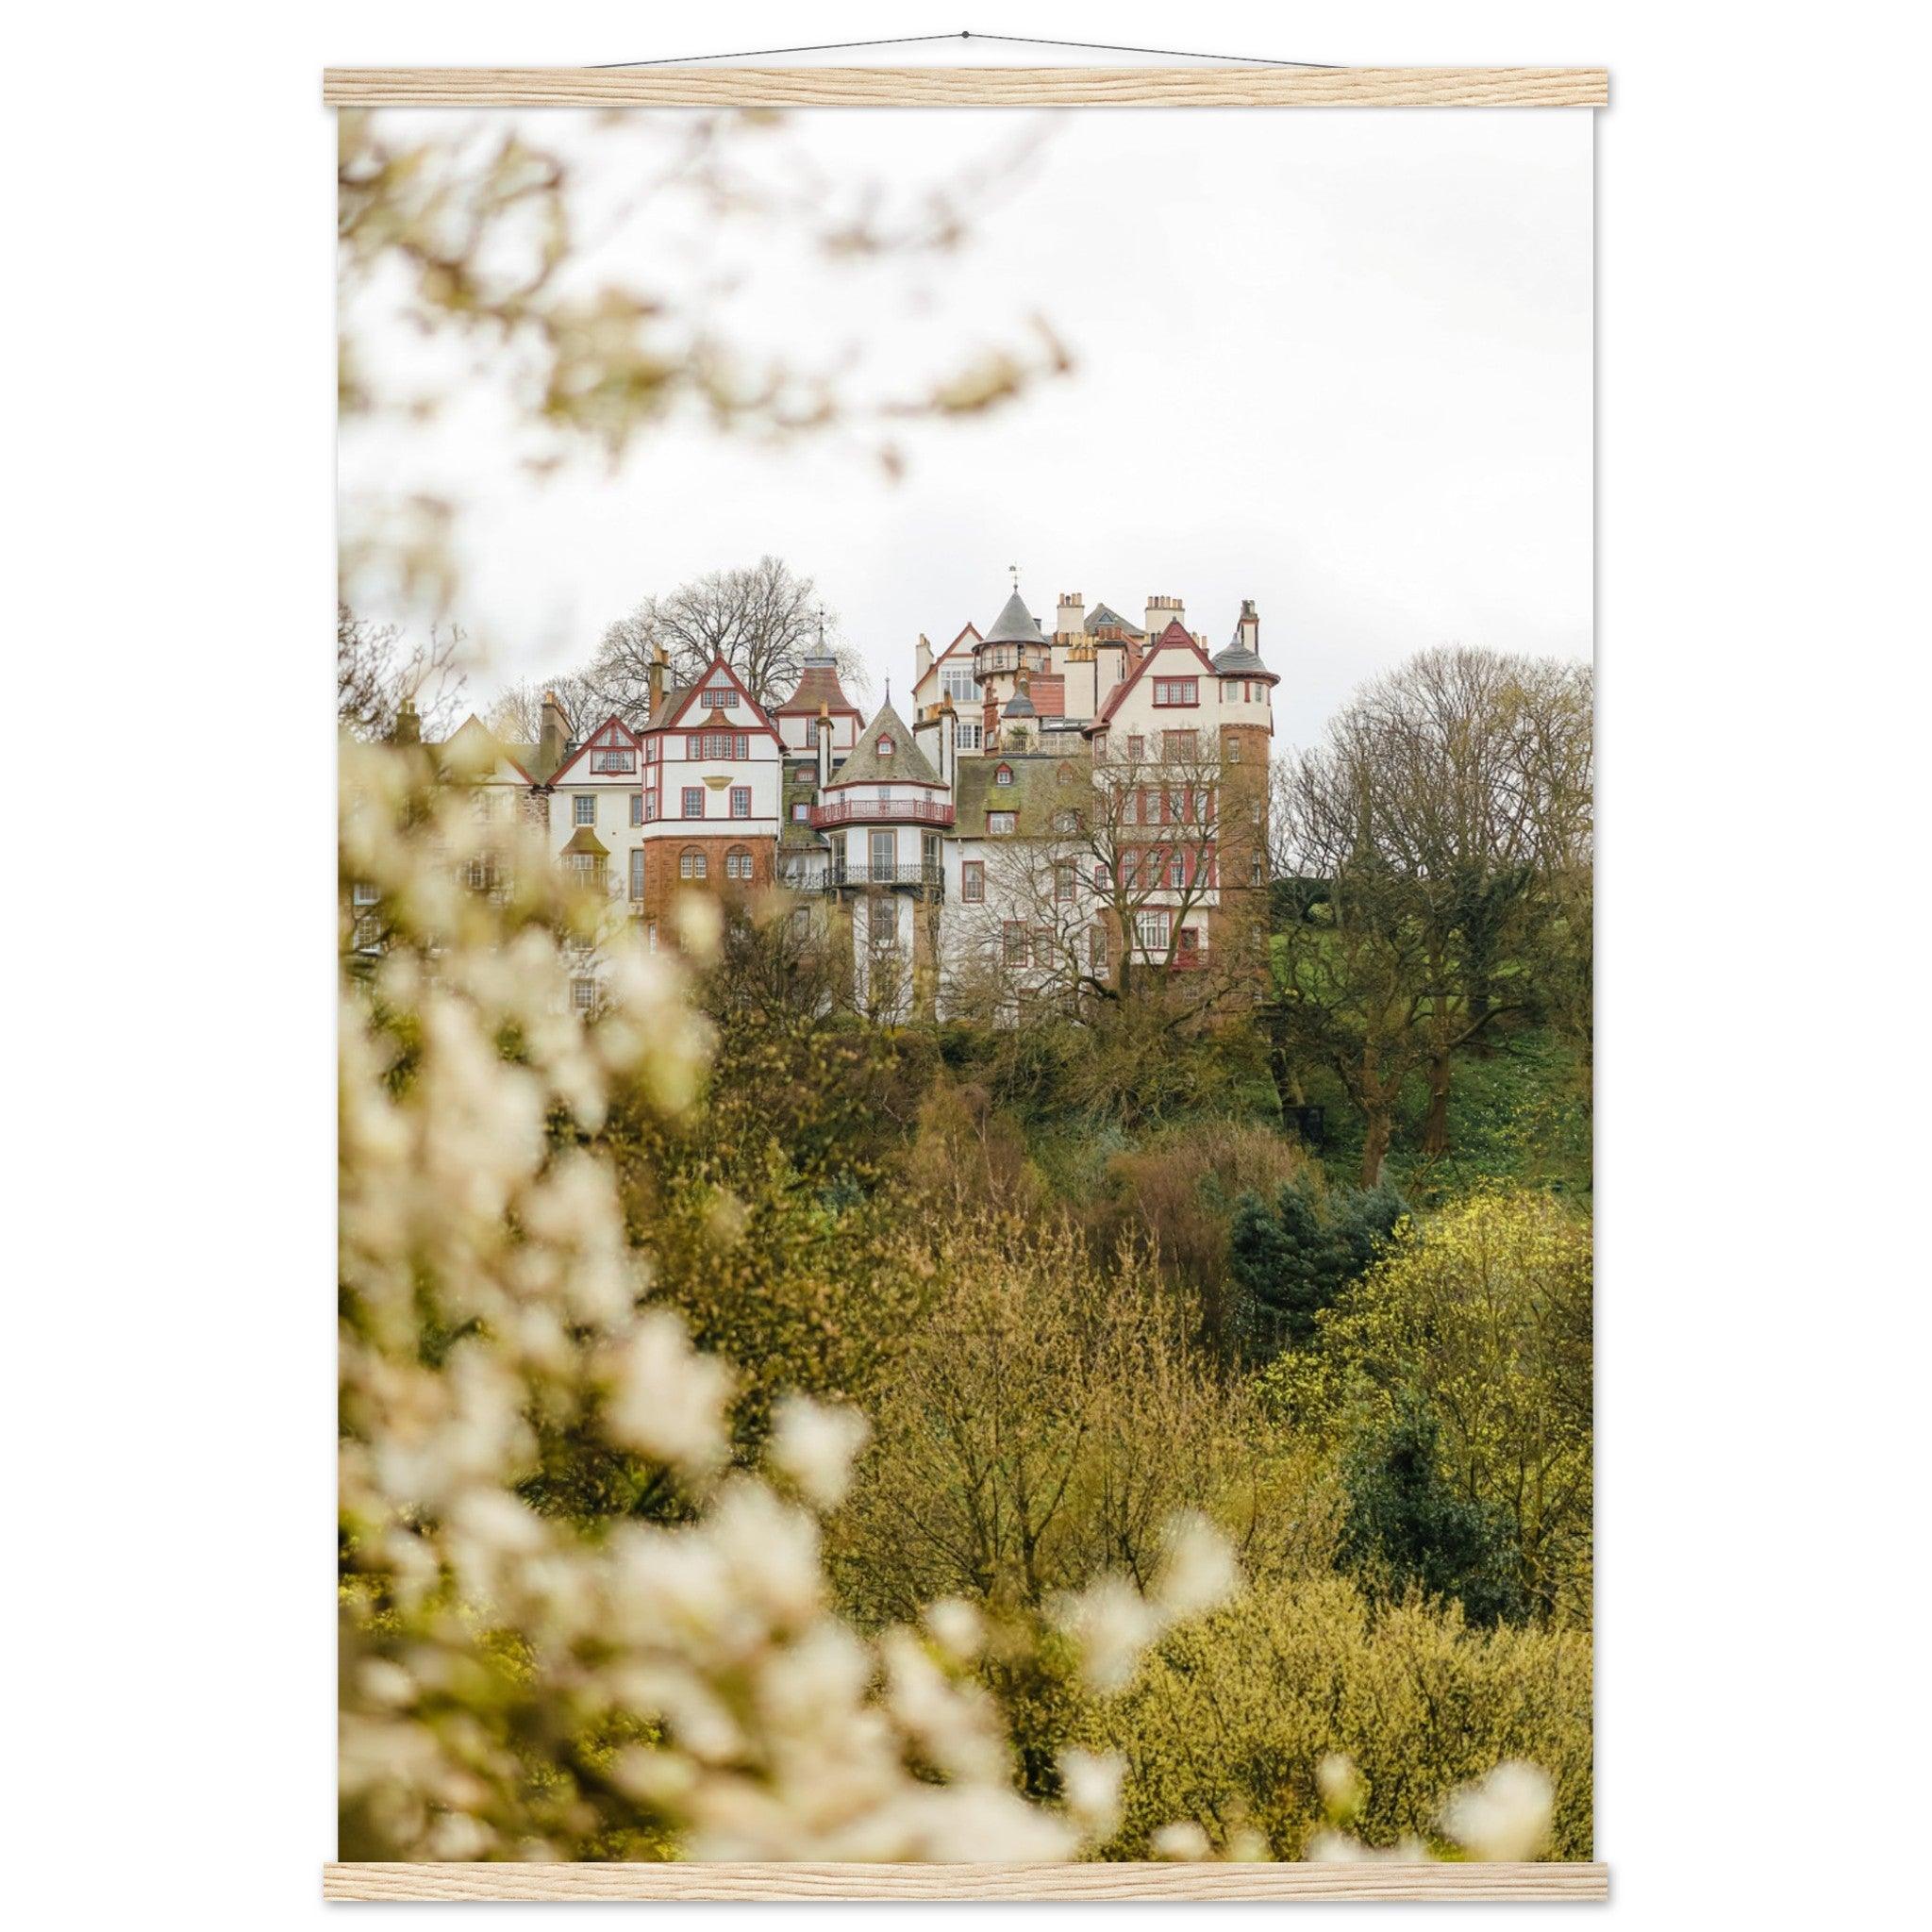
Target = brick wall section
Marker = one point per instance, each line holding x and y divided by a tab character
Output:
664	881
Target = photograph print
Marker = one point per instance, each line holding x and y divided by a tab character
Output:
965	986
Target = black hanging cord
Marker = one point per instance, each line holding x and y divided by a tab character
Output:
1011	40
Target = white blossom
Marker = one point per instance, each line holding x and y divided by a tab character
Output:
1506	1819
816	1444
1183	1841
668	1400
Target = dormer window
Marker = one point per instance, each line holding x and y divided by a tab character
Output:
885	746
715	699
1004	776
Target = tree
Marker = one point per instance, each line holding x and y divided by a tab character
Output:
375	676
1291	1257
764	618
516	713
1482	1312
1480	770
1351	973
1436	850
1408	1527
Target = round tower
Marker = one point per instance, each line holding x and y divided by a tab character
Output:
1245	717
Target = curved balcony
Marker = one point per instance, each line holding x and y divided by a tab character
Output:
930	879
891	811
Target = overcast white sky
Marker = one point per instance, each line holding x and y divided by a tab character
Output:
1338	361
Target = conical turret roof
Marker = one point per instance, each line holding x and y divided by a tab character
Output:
904	764
1015	624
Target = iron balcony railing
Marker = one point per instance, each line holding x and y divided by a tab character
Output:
905	811
931	878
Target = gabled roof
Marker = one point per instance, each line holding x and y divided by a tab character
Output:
818	684
628	740
518	757
1102	615
968	637
1015	624
584	840
1176	637
679	700
907	764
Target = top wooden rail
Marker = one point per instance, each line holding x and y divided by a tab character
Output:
965	87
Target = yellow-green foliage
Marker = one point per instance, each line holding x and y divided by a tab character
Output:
1483	1309
1228	1720
1045	1421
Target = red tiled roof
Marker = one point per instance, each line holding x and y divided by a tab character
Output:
818	684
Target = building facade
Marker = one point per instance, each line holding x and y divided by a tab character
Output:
1063	810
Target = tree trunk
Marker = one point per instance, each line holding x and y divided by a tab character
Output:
1436	1122
1381	1127
1288	1090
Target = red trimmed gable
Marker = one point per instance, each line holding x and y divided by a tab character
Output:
613	735
700	683
1176	637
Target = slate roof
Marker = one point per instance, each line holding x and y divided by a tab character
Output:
1015	624
1037	792
1102	614
1236	659
908	765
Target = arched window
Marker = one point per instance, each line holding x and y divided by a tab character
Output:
691	863
1004	776
738	864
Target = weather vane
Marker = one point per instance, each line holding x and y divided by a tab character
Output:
1015	568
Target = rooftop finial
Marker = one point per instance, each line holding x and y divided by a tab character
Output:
1015	568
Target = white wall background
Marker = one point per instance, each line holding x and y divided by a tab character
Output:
1762	634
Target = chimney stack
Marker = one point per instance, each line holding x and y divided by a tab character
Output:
1162	611
1249	629
553	735
825	744
1072	615
922	659
407	728
656	680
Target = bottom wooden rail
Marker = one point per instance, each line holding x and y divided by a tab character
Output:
933	1883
